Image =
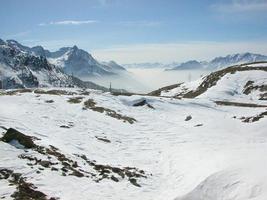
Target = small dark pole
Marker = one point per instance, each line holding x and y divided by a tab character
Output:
110	89
1	81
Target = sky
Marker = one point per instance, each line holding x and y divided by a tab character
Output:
134	31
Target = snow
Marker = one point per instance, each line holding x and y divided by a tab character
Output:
230	87
223	159
184	87
261	64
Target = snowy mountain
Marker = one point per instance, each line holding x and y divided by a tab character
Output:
221	62
80	63
234	59
189	65
113	66
72	144
72	60
20	67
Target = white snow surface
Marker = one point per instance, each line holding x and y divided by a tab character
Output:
230	87
224	159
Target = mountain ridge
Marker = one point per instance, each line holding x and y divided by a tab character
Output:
21	68
221	61
72	60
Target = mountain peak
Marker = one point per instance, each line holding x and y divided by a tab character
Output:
75	47
12	42
2	42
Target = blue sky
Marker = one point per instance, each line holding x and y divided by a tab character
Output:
139	30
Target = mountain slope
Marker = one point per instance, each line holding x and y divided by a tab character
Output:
234	59
78	62
112	65
20	68
72	60
247	81
189	65
78	145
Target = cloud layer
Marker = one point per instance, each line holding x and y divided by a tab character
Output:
69	22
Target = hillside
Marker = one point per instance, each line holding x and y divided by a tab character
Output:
61	143
245	81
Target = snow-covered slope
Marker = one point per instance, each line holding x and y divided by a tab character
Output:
92	145
246	82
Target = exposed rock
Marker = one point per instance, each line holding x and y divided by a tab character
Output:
91	104
114	178
189	117
142	103
54	92
24	190
12	134
103	139
249	87
167	88
75	100
229	103
45	163
105	171
134	182
254	118
49	101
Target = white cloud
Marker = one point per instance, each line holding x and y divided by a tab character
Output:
69	22
241	6
177	51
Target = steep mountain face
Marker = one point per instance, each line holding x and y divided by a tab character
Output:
71	60
79	63
221	62
112	65
21	68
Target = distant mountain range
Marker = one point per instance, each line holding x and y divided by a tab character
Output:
148	65
25	67
214	64
72	60
221	62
